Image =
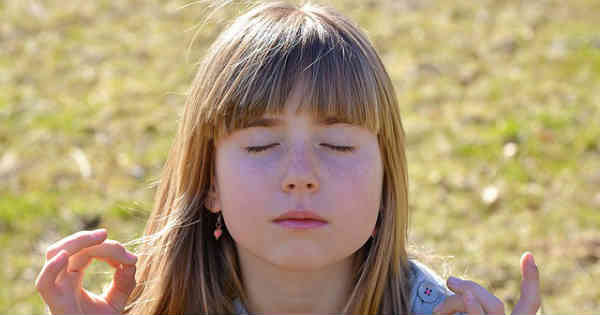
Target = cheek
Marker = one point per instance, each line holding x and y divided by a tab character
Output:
359	177
246	185
357	190
363	190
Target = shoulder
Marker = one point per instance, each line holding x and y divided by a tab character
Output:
428	289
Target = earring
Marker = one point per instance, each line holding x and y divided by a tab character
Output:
218	230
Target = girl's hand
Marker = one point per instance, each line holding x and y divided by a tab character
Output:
59	282
473	299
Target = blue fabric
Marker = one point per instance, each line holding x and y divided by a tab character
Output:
428	290
239	308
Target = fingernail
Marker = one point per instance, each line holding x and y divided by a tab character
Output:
532	261
99	233
132	256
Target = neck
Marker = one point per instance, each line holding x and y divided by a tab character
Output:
273	290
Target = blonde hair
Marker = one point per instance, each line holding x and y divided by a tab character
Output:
250	70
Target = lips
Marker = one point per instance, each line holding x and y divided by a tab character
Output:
300	224
299	216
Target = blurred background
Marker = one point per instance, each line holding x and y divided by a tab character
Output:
500	102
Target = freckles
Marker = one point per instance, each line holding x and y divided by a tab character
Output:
261	167
331	165
362	168
362	184
355	178
251	174
245	190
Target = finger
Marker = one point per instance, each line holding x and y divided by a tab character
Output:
452	304
121	287
110	251
45	283
76	242
472	304
530	299
491	304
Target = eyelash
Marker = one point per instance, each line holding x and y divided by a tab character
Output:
333	147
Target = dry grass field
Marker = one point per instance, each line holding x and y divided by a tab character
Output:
500	102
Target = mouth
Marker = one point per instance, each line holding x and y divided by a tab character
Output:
300	224
300	215
300	220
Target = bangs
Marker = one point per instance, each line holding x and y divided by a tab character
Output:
282	50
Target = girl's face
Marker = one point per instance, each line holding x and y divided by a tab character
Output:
298	162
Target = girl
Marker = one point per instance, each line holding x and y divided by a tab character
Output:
285	191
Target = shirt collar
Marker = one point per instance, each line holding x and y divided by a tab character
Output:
239	307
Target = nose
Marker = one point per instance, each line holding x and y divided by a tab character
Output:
301	172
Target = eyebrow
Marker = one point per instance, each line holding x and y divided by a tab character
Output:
272	122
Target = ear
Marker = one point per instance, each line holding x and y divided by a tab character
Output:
212	201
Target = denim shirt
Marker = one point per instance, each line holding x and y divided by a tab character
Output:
428	290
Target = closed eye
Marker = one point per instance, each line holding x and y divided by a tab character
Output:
338	148
260	148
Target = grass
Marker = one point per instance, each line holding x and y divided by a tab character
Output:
496	96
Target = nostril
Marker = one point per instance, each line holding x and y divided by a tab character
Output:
309	185
292	186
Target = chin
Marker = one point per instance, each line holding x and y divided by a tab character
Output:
294	258
303	259
298	265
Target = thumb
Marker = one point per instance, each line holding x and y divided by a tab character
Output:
530	299
450	305
121	287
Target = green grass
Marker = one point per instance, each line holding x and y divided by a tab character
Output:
107	79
